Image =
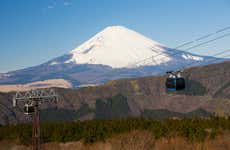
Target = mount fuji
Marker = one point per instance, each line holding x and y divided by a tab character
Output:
116	52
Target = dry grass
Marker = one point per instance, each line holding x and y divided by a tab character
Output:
136	140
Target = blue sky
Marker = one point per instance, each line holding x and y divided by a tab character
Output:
33	32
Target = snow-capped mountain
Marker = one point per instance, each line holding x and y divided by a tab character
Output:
120	47
117	47
116	52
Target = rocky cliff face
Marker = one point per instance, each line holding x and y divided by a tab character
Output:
208	88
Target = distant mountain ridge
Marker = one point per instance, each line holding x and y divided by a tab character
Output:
116	52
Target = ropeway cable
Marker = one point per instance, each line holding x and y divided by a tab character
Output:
186	50
215	55
194	41
207	61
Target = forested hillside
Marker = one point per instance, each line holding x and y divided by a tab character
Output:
88	132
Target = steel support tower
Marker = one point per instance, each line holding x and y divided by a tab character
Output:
33	99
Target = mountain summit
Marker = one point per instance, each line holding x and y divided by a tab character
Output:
114	48
117	47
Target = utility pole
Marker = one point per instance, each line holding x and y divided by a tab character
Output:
32	99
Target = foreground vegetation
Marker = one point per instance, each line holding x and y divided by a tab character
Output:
99	130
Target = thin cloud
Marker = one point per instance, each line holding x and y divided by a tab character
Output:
66	3
56	3
52	5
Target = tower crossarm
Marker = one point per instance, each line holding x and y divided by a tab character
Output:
35	95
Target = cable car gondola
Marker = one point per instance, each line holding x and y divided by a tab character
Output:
174	82
28	109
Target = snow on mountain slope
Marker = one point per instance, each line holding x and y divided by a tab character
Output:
117	47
